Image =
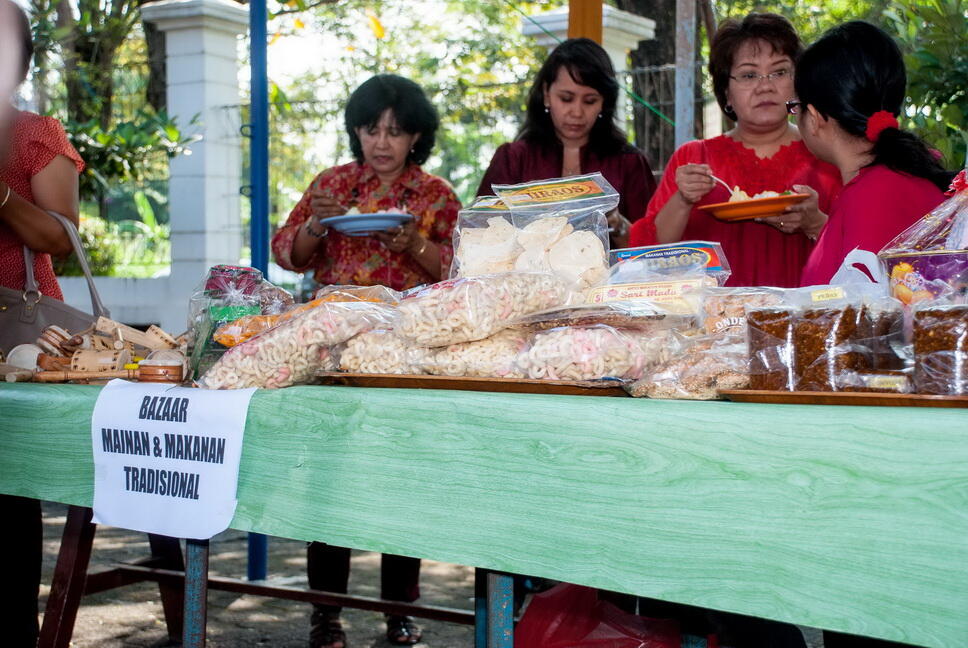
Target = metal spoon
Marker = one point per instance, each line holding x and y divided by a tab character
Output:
722	182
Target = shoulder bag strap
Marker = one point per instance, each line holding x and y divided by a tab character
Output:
30	285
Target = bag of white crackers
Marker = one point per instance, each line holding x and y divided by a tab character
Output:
555	226
292	352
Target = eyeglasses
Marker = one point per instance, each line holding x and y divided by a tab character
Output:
794	107
751	79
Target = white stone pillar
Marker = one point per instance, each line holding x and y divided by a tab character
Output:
621	33
202	68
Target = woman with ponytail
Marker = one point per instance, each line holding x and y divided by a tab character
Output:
850	86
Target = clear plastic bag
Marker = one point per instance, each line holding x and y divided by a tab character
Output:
941	349
294	350
724	309
674	290
930	258
770	343
382	352
226	294
590	353
704	366
465	310
623	315
683	254
555	226
492	357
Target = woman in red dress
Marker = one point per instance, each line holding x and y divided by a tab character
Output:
38	171
569	129
751	63
391	126
851	84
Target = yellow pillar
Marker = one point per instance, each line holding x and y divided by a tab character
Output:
585	19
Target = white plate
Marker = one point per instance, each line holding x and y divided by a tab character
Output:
364	224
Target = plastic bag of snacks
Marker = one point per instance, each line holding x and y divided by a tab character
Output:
676	289
706	365
930	258
555	226
226	294
590	353
829	337
464	310
294	350
941	348
769	331
622	315
683	254
493	357
382	352
884	329
240	330
724	309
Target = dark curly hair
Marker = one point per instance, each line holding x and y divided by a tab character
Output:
590	66
411	108
854	71
732	33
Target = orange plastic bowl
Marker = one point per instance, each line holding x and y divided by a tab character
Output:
749	209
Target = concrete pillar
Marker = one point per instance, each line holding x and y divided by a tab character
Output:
202	64
621	33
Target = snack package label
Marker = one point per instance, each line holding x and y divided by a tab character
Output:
892	383
553	192
827	294
673	295
673	255
488	203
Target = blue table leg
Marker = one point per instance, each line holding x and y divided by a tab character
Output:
196	593
480	608
500	610
258	556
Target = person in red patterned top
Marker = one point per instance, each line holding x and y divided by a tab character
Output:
751	63
38	171
391	126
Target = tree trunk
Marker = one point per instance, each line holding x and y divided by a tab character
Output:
157	91
653	134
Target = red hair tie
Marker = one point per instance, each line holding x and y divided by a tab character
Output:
877	122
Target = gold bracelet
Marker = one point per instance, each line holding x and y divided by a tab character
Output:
5	198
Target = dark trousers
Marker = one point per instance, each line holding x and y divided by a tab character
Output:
21	543
329	571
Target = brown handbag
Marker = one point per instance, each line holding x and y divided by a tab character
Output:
24	314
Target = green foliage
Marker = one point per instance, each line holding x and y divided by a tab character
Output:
127	248
934	37
131	151
469	56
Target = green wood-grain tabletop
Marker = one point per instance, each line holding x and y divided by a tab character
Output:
849	518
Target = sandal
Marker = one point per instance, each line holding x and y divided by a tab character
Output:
402	631
326	631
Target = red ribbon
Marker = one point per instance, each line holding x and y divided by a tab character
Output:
877	122
959	183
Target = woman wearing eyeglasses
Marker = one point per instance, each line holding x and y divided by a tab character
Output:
751	63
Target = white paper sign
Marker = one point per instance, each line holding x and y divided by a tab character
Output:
166	459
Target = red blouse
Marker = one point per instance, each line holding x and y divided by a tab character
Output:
874	207
36	141
760	255
363	260
629	171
